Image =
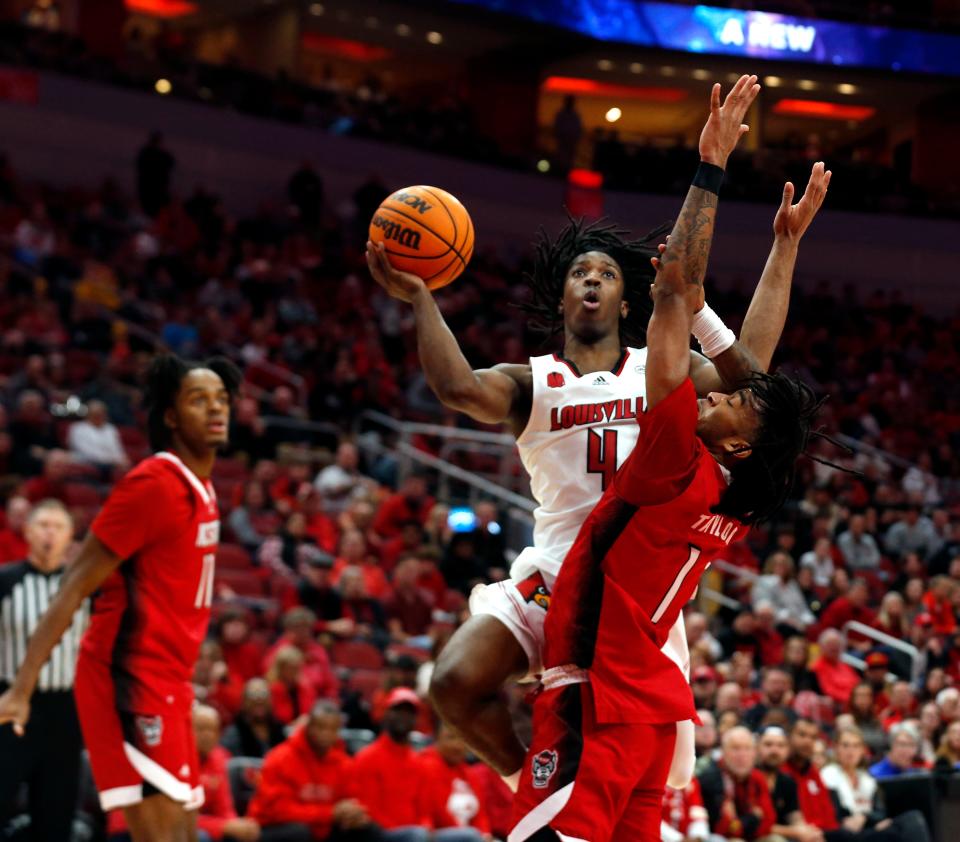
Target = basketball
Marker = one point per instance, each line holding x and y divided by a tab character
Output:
426	231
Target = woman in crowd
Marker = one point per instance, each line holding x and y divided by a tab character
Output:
862	708
948	754
857	796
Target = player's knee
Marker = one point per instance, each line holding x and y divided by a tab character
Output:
453	686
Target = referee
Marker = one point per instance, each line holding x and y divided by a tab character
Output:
47	757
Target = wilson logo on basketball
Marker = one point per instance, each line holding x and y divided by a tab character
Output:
407	237
412	200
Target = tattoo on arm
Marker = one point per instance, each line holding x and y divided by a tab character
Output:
692	235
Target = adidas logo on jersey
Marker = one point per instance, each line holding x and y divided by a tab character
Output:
600	381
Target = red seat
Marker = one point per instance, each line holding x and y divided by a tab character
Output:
133	437
241	582
454	601
230	469
80	494
356	654
233	557
365	682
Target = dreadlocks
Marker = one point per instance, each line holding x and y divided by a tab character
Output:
552	261
163	383
761	483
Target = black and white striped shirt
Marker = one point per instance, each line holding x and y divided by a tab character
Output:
25	594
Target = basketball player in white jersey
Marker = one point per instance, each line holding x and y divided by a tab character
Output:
574	417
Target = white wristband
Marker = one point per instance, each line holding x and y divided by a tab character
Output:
712	334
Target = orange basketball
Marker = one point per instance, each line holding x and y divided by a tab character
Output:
426	231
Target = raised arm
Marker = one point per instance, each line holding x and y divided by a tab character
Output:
490	396
767	314
678	291
94	563
763	324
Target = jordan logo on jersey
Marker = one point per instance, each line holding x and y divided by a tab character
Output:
577	415
718	526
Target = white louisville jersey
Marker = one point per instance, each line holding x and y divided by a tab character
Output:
580	431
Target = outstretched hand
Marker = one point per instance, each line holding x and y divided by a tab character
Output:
791	220
402	285
725	124
15	710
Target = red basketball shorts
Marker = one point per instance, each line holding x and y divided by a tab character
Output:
134	754
590	782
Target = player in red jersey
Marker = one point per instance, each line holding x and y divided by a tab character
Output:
701	471
149	556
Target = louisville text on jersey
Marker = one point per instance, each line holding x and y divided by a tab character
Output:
576	415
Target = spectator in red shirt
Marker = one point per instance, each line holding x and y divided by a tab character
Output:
903	705
682	814
852	606
401	671
291	693
875	674
242	655
306	786
320	526
735	793
451	801
769	639
13	546
365	613
703	682
353	551
938	601
52	483
495	796
430	578
213	684
387	772
409	609
217	817
408	541
298	625
291	489
836	678
816	806
411	502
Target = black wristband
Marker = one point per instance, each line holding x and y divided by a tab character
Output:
709	177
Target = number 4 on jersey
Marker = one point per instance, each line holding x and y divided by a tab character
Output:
602	455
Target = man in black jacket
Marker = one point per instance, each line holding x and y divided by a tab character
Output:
772	752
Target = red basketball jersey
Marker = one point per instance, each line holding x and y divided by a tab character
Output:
151	615
637	560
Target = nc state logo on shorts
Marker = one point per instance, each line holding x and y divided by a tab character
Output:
151	729
544	768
